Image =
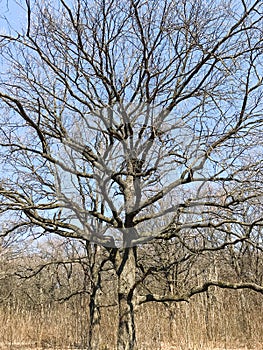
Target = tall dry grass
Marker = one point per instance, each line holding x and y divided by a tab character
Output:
221	319
224	319
51	327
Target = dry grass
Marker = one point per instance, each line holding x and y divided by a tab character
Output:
225	320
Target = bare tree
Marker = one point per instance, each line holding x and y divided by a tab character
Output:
126	122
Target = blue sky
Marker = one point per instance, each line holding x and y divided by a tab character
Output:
12	12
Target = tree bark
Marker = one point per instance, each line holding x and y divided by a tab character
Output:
126	280
94	321
94	276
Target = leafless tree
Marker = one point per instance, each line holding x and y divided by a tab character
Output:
129	122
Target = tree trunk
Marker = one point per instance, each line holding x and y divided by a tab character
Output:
94	321
93	277
126	280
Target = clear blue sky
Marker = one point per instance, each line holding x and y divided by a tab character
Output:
12	12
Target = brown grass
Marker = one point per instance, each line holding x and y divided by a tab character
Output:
224	320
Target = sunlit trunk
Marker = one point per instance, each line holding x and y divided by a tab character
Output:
126	280
93	277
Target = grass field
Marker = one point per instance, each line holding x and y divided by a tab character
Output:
225	320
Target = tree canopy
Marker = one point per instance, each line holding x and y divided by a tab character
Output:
125	122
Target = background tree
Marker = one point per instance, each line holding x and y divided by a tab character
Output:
132	122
